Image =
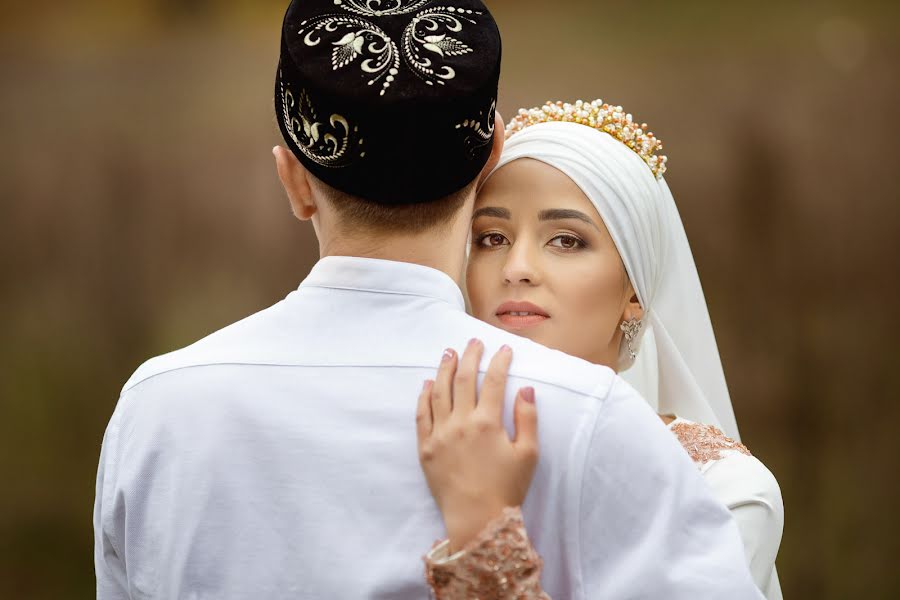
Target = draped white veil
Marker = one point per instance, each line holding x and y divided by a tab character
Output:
678	369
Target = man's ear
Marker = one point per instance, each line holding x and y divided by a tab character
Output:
496	149
295	179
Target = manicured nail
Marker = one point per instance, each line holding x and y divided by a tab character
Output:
528	395
427	386
449	353
474	342
504	348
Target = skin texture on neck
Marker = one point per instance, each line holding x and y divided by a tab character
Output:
441	248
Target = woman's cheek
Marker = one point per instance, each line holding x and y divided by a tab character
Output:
601	300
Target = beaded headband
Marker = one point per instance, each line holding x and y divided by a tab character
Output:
601	116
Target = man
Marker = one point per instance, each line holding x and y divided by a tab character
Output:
277	457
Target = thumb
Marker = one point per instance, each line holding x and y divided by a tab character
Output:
525	417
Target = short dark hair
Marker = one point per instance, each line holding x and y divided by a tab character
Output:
358	214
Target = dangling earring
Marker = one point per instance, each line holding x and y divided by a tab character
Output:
631	328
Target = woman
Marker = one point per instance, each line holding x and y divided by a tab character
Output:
577	244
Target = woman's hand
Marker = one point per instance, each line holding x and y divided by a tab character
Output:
473	469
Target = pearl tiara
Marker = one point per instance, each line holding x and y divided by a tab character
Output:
601	116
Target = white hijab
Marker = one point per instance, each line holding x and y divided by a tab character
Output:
677	370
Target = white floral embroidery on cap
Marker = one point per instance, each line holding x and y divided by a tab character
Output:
362	38
380	8
329	143
426	41
480	131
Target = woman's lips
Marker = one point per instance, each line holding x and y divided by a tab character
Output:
520	322
519	315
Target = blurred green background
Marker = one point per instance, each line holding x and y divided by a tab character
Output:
140	211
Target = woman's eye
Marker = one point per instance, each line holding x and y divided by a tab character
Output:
492	240
567	242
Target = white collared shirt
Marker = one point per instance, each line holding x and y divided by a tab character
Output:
276	458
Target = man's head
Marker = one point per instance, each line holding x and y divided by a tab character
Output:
347	215
388	110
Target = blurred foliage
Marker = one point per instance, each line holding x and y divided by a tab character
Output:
140	211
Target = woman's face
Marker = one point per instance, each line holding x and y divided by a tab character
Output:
543	265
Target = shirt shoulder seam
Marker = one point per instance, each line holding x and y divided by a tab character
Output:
133	385
347	288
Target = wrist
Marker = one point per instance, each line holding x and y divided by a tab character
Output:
464	526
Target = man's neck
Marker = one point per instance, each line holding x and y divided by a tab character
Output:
441	250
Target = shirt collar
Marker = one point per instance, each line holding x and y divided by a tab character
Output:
384	276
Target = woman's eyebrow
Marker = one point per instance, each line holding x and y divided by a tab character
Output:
556	214
492	211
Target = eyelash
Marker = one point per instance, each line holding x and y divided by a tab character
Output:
479	241
579	243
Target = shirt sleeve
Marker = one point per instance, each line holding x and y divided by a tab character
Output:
753	496
109	566
648	525
499	562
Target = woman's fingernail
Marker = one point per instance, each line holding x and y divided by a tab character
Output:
474	342
528	395
427	385
505	348
449	353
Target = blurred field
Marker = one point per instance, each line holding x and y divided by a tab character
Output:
140	211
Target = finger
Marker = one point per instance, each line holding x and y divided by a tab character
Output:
442	390
465	384
525	417
423	413
493	388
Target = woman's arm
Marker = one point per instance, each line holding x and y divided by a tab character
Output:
743	484
753	496
478	477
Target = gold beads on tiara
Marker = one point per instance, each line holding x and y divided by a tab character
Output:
601	116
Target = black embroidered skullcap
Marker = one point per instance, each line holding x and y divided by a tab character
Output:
389	100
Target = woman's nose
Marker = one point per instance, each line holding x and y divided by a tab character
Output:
520	266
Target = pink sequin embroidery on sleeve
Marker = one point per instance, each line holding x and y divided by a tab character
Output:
499	564
705	443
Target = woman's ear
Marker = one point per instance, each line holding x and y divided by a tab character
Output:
295	179
633	308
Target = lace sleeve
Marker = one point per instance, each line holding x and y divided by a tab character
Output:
500	563
704	443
